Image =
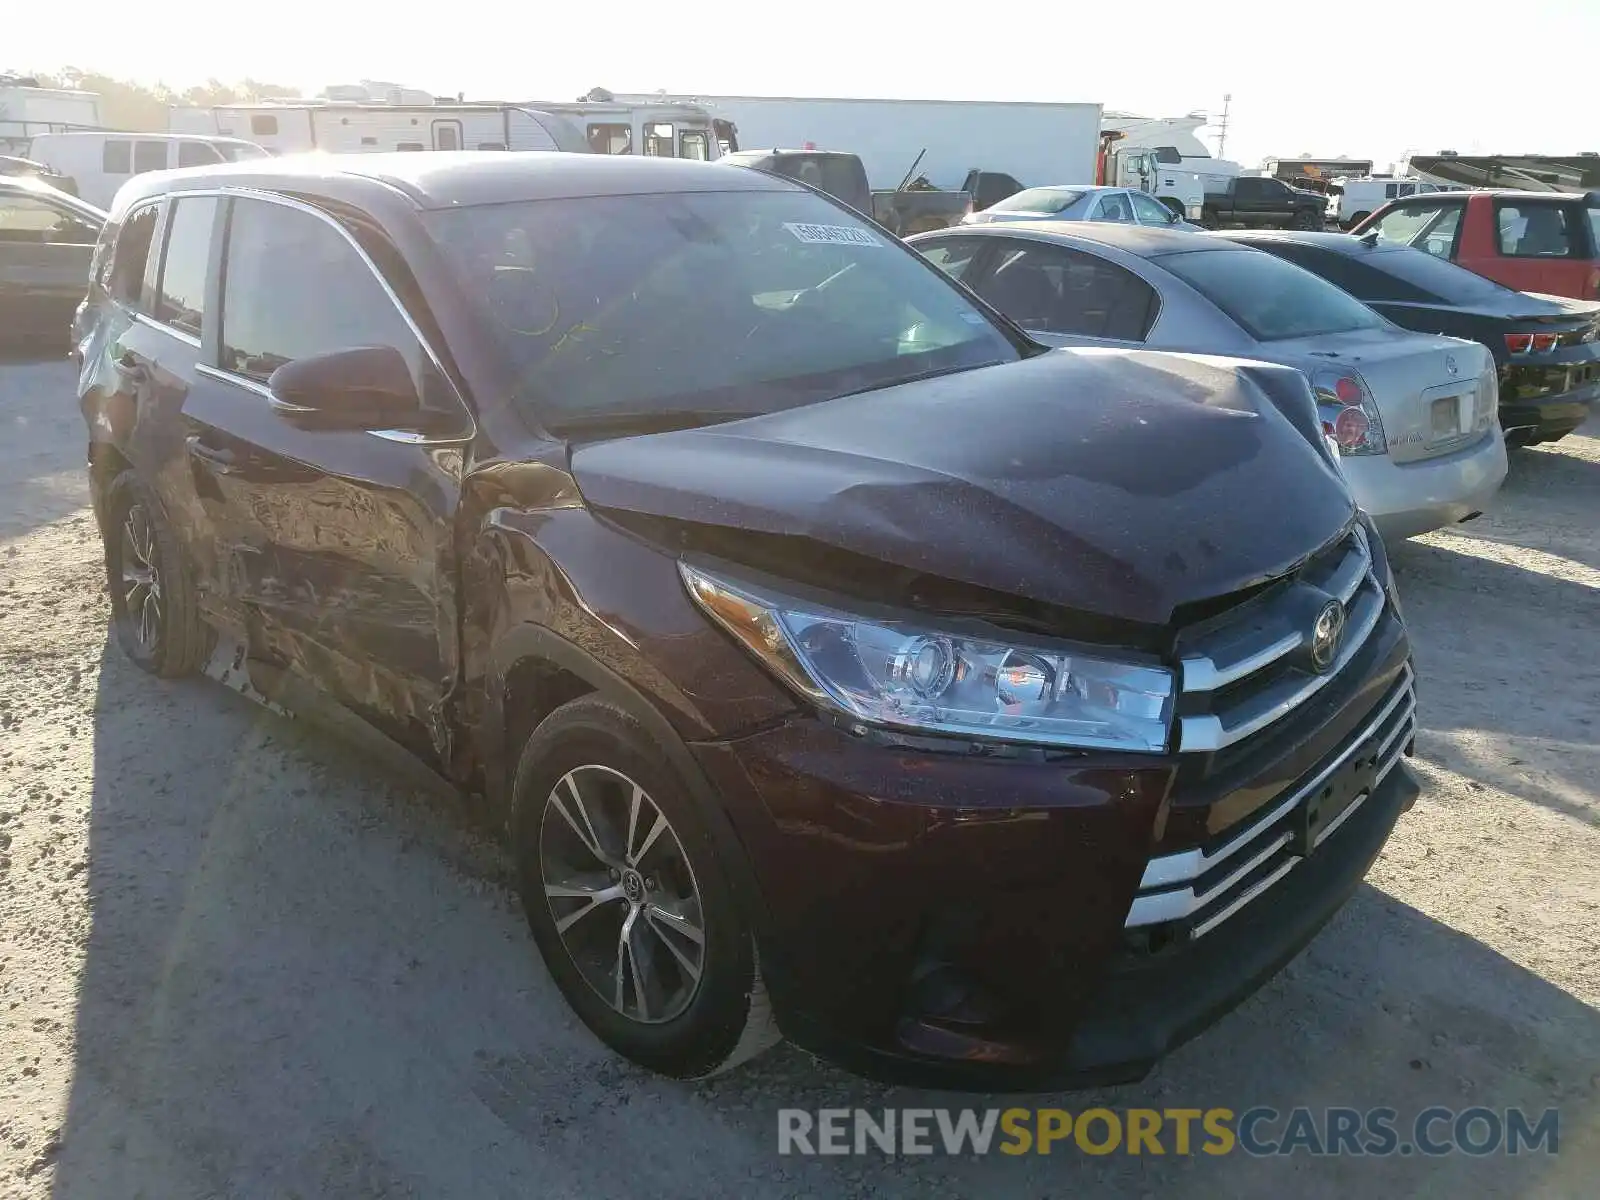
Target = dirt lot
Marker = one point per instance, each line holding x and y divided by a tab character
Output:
238	960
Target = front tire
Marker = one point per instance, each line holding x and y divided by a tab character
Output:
628	899
1308	220
153	607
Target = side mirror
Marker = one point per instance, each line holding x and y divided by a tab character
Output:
369	387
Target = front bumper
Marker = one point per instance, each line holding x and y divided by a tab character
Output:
968	920
1406	499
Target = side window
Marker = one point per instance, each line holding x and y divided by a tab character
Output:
265	124
294	287
1533	230
491	145
149	156
692	143
611	139
952	255
116	157
197	154
1063	291
1113	206
1249	189
1425	226
131	255
1274	189
658	139
181	293
28	219
1149	211
413	146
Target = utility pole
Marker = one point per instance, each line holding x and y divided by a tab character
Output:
1222	127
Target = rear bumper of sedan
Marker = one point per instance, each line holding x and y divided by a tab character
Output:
1407	499
982	922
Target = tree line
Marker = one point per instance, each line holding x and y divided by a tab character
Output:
143	109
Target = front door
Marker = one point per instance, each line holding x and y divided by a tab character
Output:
337	547
447	135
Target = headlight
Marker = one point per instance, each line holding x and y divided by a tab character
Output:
909	676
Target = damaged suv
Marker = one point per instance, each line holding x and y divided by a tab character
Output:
841	662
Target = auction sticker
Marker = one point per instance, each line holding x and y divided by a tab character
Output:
830	235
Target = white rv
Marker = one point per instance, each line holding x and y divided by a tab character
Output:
664	130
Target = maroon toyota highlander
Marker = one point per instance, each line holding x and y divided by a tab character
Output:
841	662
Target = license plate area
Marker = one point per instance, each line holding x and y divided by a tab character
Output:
1347	786
1444	416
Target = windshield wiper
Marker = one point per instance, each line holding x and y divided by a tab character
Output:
660	420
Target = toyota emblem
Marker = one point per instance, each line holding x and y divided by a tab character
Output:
1326	634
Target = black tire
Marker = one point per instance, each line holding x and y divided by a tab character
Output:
157	622
1308	219
725	1017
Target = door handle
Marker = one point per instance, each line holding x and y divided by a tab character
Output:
218	458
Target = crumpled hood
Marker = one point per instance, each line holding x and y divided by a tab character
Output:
1121	483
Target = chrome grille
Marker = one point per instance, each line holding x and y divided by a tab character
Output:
1204	887
1249	666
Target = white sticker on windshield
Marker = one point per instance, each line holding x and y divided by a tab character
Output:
831	235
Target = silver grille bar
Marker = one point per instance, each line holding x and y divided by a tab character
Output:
1168	871
1240	651
1217	731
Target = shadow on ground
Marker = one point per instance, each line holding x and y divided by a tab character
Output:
305	981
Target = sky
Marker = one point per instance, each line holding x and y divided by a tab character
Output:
1390	80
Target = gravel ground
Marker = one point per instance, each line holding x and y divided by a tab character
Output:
236	959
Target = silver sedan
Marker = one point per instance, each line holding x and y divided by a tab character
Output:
1082	202
1413	414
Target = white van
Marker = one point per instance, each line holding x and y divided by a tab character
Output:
101	162
1352	200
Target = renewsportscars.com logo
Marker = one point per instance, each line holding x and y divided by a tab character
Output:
1260	1132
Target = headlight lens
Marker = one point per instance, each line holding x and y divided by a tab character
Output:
907	676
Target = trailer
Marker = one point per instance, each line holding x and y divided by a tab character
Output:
27	110
660	130
1037	143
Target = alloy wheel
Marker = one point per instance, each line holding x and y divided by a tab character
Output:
622	894
141	578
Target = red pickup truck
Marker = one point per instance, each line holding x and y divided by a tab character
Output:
1531	241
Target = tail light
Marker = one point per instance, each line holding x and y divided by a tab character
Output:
1349	416
1525	343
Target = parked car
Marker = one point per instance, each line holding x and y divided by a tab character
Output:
910	209
1544	347
1085	202
1260	203
833	652
1543	242
26	168
47	239
101	162
1414	415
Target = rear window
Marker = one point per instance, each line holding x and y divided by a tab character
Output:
1438	278
1530	229
1269	298
1038	200
836	174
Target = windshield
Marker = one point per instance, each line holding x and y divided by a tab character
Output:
1438	278
737	302
1038	200
1271	299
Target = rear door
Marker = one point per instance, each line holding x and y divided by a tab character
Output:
1066	296
336	547
45	251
